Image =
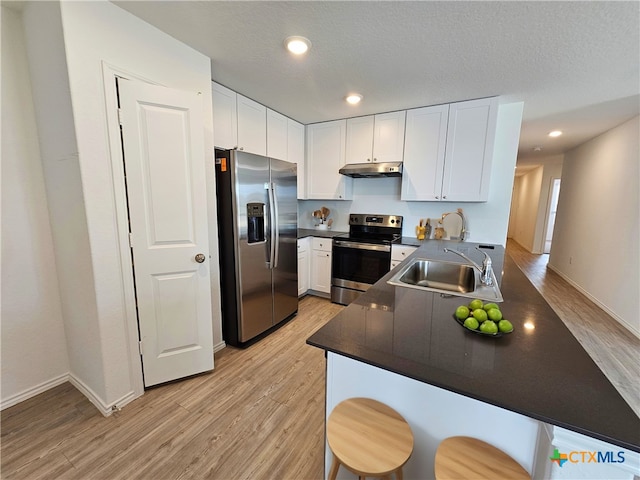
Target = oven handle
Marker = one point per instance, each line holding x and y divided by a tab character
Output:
362	246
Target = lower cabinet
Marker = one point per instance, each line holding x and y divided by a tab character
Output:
304	265
321	265
399	253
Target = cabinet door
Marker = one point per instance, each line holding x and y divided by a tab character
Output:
277	133
470	139
304	266
225	119
359	143
424	153
295	153
252	126
388	137
325	156
321	271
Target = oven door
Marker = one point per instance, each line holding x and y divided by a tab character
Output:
355	267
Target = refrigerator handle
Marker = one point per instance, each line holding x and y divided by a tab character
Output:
271	261
275	231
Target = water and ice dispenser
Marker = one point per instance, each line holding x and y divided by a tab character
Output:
255	221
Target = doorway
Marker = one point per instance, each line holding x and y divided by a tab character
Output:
554	193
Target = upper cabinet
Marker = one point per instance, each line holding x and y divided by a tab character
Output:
325	156
448	151
277	133
252	126
225	117
375	138
238	122
295	153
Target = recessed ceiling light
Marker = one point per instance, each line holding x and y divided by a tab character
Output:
297	45
537	148
555	133
353	98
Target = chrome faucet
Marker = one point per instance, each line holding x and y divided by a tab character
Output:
485	270
463	228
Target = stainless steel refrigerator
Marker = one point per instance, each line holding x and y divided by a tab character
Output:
257	230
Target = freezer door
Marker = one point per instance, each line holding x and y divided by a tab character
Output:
253	275
285	261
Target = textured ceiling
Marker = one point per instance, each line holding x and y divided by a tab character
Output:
574	64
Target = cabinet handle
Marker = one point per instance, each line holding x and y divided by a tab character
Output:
444	196
437	197
241	148
375	159
368	159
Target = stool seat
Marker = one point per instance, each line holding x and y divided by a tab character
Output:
466	457
369	438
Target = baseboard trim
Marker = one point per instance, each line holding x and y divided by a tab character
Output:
607	310
104	408
33	391
219	346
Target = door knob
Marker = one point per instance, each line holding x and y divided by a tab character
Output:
200	258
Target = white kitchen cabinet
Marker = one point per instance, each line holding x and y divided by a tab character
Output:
399	253
225	117
424	151
325	156
470	139
252	126
277	135
462	169
321	265
375	138
295	153
304	264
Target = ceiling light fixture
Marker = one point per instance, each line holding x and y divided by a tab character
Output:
555	133
297	45
353	98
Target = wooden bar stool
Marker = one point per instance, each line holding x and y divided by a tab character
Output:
369	438
470	458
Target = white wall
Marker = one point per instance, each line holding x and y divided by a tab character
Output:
595	244
52	102
99	36
34	355
487	221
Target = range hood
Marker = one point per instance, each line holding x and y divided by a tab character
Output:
372	170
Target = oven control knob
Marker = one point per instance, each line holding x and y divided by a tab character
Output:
393	221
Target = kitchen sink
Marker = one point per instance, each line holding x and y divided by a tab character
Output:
446	278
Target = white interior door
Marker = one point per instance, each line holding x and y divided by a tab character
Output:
162	131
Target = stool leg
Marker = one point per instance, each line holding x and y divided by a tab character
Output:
399	474
333	473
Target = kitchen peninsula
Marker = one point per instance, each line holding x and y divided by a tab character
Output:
403	347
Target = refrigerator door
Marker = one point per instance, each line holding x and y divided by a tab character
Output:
285	261
253	244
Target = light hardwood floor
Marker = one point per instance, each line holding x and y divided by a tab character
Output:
259	415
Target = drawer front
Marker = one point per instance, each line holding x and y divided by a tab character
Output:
322	244
400	252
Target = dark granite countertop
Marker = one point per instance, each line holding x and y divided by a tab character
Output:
543	373
312	232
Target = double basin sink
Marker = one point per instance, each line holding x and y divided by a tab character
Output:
447	278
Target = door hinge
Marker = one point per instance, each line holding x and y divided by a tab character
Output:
130	240
120	116
140	348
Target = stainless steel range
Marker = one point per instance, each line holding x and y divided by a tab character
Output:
362	257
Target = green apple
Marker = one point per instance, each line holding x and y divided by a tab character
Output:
505	326
489	306
471	323
480	315
489	327
475	304
494	314
462	312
